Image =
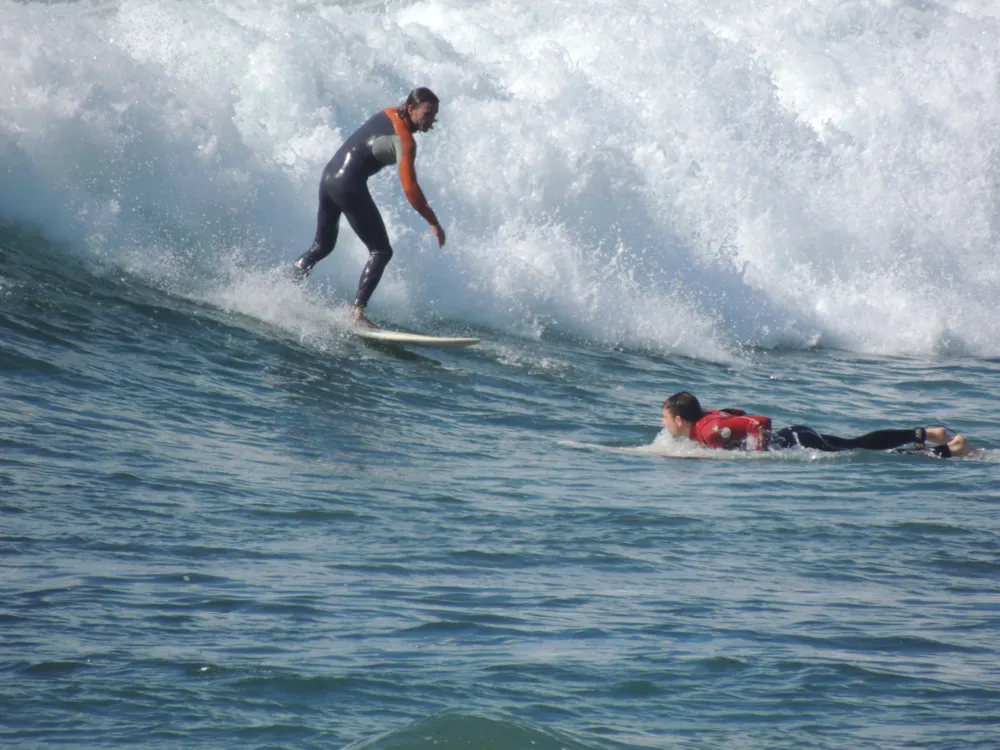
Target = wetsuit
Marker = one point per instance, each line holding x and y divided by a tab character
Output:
734	428
343	189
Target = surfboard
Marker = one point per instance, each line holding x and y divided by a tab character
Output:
412	339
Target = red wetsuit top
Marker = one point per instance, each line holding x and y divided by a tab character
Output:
732	428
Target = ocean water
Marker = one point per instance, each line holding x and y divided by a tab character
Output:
227	522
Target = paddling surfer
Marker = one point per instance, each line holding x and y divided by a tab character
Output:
683	416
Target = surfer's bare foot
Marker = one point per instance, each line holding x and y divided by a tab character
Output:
959	446
936	435
946	446
359	318
299	271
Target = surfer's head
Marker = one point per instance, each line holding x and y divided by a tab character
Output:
680	411
420	109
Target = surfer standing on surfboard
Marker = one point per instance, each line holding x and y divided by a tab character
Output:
734	428
387	138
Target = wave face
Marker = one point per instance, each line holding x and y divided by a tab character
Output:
696	177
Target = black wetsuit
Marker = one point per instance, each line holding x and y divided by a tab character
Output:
343	190
880	440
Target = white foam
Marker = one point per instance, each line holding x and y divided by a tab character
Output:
666	446
687	177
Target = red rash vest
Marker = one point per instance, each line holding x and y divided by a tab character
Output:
732	428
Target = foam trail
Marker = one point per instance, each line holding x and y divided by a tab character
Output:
689	177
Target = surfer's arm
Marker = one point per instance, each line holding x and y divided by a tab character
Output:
758	433
408	174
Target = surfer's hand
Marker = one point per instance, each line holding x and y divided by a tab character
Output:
439	233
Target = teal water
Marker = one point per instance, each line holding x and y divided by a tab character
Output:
227	522
216	534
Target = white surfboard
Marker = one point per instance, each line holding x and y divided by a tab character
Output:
412	339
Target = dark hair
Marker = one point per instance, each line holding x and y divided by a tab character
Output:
415	98
684	405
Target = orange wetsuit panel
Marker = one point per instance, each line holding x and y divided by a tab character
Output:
408	169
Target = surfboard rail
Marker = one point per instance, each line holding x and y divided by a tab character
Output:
390	336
